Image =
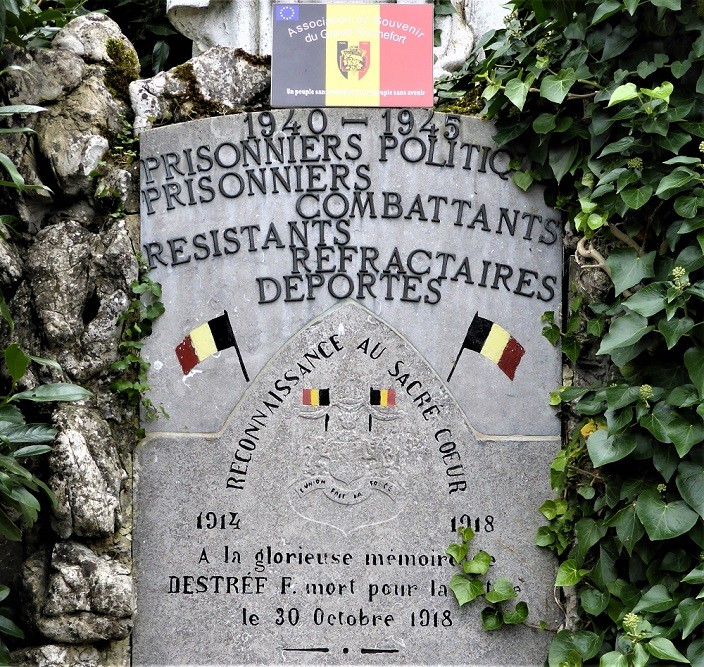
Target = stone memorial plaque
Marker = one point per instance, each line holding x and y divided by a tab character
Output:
352	363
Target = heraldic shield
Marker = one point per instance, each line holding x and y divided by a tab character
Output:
353	60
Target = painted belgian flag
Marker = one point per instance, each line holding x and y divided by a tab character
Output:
493	342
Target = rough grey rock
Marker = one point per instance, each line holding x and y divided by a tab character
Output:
73	134
45	76
80	283
87	36
10	262
120	185
218	82
56	655
87	475
79	597
58	264
32	205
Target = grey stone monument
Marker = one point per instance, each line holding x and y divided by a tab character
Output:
352	361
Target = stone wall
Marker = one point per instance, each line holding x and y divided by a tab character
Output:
65	271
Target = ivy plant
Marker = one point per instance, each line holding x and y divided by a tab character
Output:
470	585
604	100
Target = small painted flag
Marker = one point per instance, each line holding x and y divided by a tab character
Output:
383	397
493	342
204	341
316	397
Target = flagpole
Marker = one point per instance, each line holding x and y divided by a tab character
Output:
239	356
459	354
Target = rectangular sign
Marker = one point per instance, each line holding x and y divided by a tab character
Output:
377	55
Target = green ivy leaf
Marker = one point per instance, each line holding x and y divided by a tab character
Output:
478	565
674	329
695	653
694	362
649	300
587	533
684	434
629	529
562	159
658	420
605	9
662	520
465	588
568	647
501	590
663	648
635	198
613	659
656	598
491	619
628	268
675	181
687	206
684	396
624	331
623	93
594	601
517	91
523	179
696	576
518	615
555	87
692	612
668	4
690	484
604	449
569	574
457	551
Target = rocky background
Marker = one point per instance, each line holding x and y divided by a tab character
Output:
66	272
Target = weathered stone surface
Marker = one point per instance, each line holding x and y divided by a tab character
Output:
73	134
56	655
120	187
219	81
10	262
81	284
58	263
32	205
342	512
246	24
46	75
88	37
449	234
87	475
79	597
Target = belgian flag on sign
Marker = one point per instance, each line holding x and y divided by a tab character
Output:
493	342
206	340
316	397
384	398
